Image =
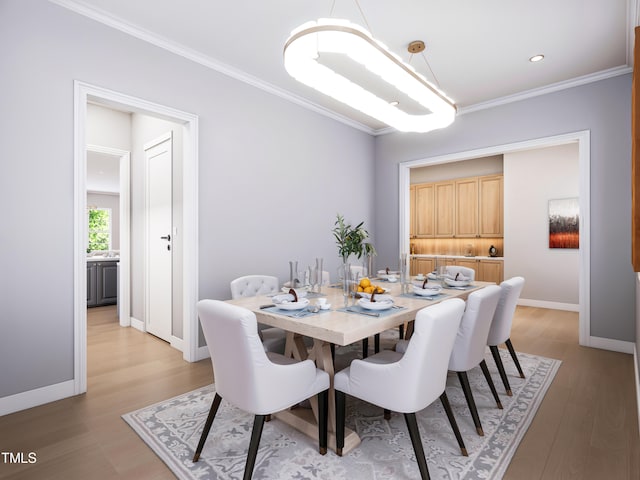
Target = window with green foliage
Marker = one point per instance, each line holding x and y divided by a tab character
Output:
99	229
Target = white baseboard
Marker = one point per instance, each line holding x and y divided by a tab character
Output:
571	307
636	376
137	324
202	353
177	343
35	397
612	345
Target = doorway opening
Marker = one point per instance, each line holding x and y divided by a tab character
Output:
121	160
84	94
582	138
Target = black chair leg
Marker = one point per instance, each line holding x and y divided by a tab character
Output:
207	426
256	433
365	347
454	425
376	343
492	387
323	400
466	388
503	375
414	433
515	358
340	407
401	331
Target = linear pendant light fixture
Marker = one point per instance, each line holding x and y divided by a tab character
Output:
308	42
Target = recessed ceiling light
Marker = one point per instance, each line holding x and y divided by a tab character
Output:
394	103
536	58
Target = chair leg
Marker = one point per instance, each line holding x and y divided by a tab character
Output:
365	347
401	331
323	400
492	387
466	388
414	433
256	433
340	407
515	358
409	331
207	426
376	343
454	425
500	365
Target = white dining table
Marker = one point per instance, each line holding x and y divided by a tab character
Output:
339	328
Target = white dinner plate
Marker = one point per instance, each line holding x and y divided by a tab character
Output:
426	292
368	305
299	305
456	283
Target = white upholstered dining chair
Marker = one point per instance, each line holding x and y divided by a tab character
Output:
500	331
471	340
258	382
408	382
451	270
273	339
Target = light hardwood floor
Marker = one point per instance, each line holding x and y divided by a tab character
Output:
586	428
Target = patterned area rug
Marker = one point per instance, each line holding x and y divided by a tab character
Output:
172	429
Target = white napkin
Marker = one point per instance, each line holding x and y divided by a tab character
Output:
382	298
284	298
461	277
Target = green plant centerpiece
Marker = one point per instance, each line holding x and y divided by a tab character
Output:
351	240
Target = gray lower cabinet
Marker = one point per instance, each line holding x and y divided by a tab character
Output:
102	283
91	284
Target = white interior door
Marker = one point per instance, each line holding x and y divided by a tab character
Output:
159	158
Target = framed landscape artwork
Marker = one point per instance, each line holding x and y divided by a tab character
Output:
564	223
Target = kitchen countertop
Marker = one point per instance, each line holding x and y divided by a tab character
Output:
433	255
103	259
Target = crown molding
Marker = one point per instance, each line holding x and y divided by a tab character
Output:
554	87
197	57
209	62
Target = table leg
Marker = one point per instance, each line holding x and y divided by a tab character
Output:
302	419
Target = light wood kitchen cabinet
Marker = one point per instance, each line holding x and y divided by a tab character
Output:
422	265
479	207
491	271
466	213
490	206
465	208
445	203
425	211
486	270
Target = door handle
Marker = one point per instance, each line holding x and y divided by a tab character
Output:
167	238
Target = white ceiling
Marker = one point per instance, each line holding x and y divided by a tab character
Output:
103	172
477	49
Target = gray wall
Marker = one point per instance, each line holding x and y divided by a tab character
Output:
604	108
272	175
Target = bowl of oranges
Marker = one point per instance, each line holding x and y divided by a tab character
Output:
366	288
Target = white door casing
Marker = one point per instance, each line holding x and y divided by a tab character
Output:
158	294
